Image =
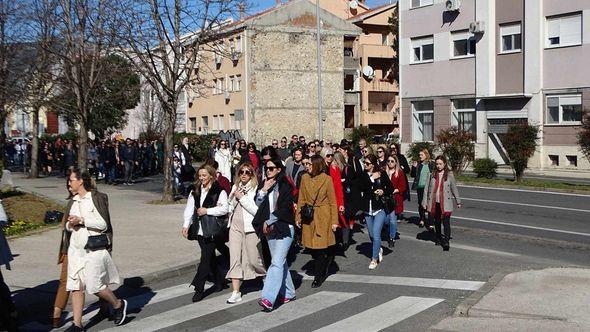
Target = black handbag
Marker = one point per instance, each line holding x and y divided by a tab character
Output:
52	217
388	203
307	209
97	242
193	231
210	225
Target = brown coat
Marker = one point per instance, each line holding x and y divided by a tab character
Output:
318	234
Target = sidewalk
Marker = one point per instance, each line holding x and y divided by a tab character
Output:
545	300
147	238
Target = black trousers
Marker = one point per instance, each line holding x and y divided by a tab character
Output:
421	210
209	263
6	304
446	223
323	258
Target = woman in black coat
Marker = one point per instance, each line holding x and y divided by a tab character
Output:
375	185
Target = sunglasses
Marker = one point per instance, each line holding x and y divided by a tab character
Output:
271	168
245	172
283	141
275	143
329	155
306	164
380	151
312	146
391	161
367	163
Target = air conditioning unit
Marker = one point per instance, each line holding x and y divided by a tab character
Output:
477	27
235	56
226	95
453	5
218	59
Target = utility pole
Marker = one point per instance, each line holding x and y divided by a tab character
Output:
319	55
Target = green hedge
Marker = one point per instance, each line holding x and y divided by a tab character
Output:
485	168
415	148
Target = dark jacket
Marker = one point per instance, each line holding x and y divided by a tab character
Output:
416	171
210	200
127	153
101	202
283	210
367	187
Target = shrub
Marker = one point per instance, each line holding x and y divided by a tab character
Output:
199	144
520	142
19	227
362	132
485	168
584	135
458	146
415	148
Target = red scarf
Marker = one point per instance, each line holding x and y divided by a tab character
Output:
439	190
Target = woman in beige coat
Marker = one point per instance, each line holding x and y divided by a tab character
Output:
318	234
245	258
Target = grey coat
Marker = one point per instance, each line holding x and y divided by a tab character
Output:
450	191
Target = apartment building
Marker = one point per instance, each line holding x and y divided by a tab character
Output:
370	83
482	65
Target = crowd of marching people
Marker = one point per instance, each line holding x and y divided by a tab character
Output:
255	206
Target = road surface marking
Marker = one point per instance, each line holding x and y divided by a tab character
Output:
470	248
525	190
308	305
383	316
524	204
467	285
515	225
181	314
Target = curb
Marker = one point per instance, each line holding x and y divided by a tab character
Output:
543	189
161	275
466	305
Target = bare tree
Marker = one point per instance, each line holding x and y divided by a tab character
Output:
42	73
166	40
10	43
150	115
86	29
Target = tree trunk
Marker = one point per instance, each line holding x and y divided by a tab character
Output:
82	147
35	145
2	137
168	192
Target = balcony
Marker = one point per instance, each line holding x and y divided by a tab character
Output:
381	86
376	51
351	98
376	118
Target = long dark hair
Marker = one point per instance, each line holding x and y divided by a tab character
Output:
86	178
445	170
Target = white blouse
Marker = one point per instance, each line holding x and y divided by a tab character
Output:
221	209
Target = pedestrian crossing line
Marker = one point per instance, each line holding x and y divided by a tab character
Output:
308	305
182	314
383	316
405	281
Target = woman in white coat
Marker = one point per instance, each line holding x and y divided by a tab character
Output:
224	158
90	270
245	256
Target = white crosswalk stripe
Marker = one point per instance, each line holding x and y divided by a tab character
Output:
374	318
382	316
308	305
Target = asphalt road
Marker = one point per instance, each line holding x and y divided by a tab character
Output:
498	231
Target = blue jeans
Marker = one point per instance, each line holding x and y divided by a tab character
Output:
278	278
374	225
392	217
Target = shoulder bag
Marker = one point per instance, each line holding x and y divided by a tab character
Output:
307	209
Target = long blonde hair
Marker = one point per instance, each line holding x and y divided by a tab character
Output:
253	183
338	160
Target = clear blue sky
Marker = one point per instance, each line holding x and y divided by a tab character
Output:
263	4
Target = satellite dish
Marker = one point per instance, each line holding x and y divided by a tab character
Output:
353	4
368	71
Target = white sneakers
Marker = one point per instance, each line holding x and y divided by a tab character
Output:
234	298
374	264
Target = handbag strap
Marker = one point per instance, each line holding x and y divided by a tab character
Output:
318	194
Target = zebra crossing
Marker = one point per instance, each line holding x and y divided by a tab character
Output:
373	318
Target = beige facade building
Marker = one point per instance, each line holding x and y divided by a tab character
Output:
263	77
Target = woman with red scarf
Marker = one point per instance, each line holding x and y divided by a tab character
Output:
440	191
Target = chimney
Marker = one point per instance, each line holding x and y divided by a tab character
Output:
242	8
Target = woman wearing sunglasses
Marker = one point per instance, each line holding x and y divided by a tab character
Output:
374	185
399	183
224	158
245	259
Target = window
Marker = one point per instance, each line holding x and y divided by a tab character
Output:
566	109
420	3
422	50
215	122
464	115
193	125
238	45
219	85
564	30
238	82
215	91
232	121
231	84
423	112
510	38
205	122
463	44
385	39
221	124
554	159
572	160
